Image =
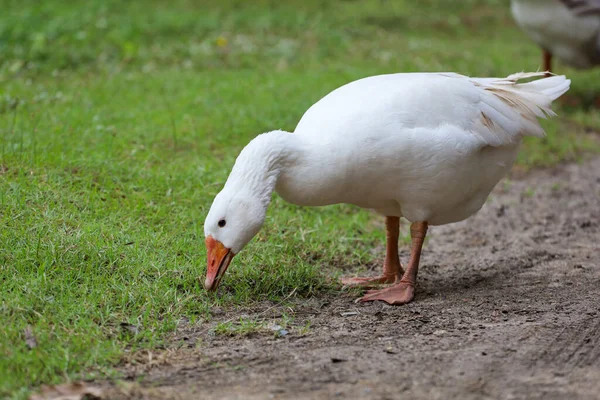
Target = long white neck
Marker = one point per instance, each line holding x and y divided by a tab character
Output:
261	162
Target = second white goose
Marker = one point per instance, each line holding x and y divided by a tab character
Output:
567	29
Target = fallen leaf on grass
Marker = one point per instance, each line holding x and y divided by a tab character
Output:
68	391
30	340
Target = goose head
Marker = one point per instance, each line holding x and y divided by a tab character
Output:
233	220
238	211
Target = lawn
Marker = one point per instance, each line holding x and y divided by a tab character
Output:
119	122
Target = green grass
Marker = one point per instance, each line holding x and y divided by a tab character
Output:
119	122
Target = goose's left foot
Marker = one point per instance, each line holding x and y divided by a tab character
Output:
392	270
403	291
400	293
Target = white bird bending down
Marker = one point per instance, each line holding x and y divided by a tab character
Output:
567	29
428	147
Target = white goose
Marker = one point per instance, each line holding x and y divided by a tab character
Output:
428	147
567	29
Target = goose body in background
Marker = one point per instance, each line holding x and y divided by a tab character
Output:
567	29
428	147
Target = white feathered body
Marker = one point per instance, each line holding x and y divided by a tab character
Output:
572	37
425	146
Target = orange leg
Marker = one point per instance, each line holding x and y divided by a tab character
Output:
392	270
547	62
403	291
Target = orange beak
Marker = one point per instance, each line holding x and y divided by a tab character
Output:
219	258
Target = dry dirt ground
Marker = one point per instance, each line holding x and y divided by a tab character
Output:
507	306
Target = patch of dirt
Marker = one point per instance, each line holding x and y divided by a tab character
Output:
507	306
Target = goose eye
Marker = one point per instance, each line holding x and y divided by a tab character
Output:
222	223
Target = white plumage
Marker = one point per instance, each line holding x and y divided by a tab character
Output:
429	147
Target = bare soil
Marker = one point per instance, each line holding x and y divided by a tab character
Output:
507	307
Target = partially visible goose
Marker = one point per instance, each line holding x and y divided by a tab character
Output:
567	29
428	147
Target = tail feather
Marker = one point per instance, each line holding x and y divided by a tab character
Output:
512	109
553	86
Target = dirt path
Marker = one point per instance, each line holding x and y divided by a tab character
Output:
508	306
